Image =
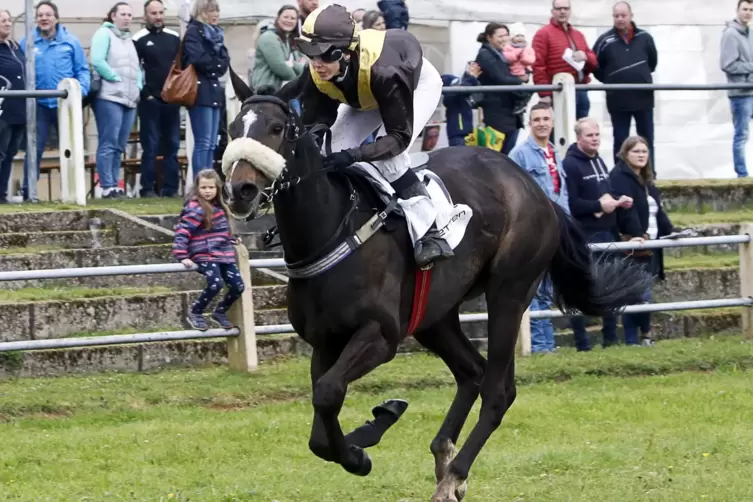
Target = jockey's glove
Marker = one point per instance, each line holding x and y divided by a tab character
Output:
339	160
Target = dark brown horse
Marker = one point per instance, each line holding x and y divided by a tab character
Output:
356	313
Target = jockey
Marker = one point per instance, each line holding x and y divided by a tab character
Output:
356	83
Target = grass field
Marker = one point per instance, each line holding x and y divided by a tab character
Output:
667	423
171	205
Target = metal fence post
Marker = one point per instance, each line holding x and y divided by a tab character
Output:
746	278
524	335
241	349
71	136
563	103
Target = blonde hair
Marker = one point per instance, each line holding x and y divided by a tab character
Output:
647	171
580	124
208	174
199	7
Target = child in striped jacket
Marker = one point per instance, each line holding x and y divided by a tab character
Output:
203	239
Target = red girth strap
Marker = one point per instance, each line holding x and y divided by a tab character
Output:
420	296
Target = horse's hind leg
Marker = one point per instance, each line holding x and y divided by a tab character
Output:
447	340
506	304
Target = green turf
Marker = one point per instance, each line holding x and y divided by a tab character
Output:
213	435
54	293
138	206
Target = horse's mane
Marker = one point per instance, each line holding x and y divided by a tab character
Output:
266	90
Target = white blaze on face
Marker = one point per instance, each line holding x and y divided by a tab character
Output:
248	119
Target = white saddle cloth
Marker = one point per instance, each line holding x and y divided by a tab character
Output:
420	212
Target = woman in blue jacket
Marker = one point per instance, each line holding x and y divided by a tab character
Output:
12	110
204	48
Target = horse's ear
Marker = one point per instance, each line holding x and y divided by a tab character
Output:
242	91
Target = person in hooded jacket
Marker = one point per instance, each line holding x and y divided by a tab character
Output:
277	60
593	206
12	110
395	14
633	176
459	107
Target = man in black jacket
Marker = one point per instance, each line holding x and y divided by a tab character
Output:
592	205
627	55
159	122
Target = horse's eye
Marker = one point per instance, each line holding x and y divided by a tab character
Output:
277	129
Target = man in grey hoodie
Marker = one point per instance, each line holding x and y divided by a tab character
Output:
736	62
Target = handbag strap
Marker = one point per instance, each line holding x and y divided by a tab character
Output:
179	56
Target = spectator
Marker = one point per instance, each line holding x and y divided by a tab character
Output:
358	18
498	107
374	20
204	48
12	110
159	122
57	55
203	239
305	7
459	106
627	55
737	62
633	176
538	156
519	58
592	205
116	62
552	43
395	13
277	61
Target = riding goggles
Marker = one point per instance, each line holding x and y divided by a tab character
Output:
331	56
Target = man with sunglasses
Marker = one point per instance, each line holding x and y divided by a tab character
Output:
356	83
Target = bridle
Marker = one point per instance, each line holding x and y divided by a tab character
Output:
293	132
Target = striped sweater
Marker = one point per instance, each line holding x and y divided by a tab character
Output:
194	241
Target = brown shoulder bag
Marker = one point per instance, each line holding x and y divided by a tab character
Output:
181	85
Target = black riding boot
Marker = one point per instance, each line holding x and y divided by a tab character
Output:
431	246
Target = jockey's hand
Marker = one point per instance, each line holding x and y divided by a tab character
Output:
339	160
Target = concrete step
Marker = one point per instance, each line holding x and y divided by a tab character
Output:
136	313
110	256
46	221
62	239
692	196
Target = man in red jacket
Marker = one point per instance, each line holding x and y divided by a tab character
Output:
550	44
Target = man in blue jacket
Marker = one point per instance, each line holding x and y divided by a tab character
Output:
538	156
57	55
592	205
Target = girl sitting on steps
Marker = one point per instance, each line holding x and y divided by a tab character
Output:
202	238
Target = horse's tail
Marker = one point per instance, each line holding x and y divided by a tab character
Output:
593	287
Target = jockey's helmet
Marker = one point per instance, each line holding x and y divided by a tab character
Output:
327	33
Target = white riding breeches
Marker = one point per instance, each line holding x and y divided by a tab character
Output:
353	126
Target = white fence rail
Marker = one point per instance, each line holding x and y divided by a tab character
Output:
242	340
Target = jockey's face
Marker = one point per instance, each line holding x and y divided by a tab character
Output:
325	70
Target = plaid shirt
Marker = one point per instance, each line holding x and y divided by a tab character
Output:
194	241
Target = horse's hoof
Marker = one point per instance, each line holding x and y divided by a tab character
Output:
359	462
461	490
393	407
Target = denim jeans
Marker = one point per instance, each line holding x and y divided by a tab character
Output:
215	273
159	127
205	124
11	137
456	141
582	104
644	126
46	118
510	140
742	112
114	122
609	322
542	331
633	322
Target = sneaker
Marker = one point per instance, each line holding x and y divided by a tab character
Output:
197	321
148	194
221	319
647	342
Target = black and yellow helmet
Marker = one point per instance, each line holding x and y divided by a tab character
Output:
327	29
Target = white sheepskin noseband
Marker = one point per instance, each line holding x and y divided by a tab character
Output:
263	158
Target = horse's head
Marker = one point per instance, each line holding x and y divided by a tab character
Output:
256	151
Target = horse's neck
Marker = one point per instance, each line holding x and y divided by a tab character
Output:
310	216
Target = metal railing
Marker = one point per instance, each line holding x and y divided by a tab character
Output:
722	86
63	343
34	94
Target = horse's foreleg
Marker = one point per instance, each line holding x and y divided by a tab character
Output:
447	340
366	350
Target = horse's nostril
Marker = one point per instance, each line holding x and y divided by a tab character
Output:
247	191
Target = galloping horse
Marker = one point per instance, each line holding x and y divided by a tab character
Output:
356	313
